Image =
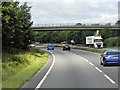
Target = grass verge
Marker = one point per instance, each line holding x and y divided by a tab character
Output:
19	68
86	49
100	51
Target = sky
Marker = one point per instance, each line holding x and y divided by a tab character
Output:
73	11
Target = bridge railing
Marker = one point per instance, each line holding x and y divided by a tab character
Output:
76	25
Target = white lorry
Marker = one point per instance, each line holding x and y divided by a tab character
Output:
94	41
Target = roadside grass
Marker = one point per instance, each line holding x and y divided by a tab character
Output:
58	45
100	51
19	68
112	41
114	48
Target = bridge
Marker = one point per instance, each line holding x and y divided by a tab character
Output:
70	27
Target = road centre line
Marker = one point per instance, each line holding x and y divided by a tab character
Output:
113	82
86	60
91	64
98	69
101	72
81	57
75	54
109	79
43	79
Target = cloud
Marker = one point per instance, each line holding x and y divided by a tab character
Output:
108	18
73	11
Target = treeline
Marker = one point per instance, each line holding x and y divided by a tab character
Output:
77	36
113	42
60	36
111	38
16	25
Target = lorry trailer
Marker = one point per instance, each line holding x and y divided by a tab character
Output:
94	41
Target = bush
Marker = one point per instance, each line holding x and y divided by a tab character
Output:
21	66
11	50
112	42
36	50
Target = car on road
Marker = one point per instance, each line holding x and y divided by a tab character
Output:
110	57
50	47
32	45
66	47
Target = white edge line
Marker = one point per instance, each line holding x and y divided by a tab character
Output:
40	70
109	79
43	79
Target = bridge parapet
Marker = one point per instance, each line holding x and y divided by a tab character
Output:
59	27
75	25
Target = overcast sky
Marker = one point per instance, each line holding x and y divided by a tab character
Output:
73	11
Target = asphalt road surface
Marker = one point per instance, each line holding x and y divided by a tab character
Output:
79	69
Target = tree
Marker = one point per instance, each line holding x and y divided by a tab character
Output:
105	33
60	36
78	24
118	22
16	29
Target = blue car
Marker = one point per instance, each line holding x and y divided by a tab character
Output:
50	47
110	57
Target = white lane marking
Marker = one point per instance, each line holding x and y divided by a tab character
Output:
77	55
74	54
91	64
86	60
98	69
109	79
81	57
43	79
40	70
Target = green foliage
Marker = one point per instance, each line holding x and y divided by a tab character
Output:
91	50
77	36
18	68
113	42
36	50
105	33
16	25
60	36
12	50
